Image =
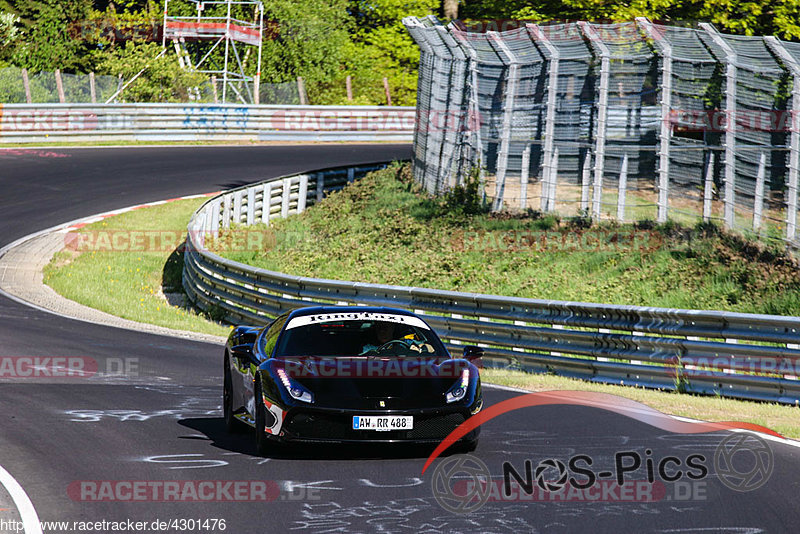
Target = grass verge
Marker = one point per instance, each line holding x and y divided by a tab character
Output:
130	265
383	229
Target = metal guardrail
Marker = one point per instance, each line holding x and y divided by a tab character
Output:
710	352
43	123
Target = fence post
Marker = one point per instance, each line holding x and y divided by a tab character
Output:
602	113
26	83
301	88
551	187
552	103
508	113
523	177
60	87
730	123
386	90
214	89
794	139
92	88
665	136
348	84
586	176
475	110
622	189
709	185
758	207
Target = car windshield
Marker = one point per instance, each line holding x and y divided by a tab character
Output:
348	337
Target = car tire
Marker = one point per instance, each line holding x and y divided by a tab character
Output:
263	444
232	425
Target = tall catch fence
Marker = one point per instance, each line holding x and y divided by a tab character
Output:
626	121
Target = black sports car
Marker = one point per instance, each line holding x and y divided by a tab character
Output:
348	374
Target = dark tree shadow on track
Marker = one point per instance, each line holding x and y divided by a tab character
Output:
244	443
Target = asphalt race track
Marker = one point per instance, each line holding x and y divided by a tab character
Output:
162	421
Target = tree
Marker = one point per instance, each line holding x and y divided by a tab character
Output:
163	80
9	35
309	39
48	43
382	47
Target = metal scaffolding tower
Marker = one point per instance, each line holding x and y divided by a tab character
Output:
220	29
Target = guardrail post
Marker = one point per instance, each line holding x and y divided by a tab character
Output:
730	123
266	203
287	186
251	206
758	206
226	211
302	194
665	136
602	113
351	175
320	185
623	189
215	219
708	190
237	207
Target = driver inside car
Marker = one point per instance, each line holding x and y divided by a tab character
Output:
385	337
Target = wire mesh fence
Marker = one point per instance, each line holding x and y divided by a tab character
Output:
627	121
18	86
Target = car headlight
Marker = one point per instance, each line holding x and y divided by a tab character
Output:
458	391
296	390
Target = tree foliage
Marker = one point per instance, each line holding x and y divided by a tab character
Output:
163	80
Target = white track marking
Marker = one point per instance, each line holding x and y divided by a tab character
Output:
30	520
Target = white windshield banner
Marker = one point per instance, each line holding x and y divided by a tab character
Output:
356	316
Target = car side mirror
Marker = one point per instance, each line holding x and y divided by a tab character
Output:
243	352
473	352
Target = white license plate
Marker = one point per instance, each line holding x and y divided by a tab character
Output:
383	422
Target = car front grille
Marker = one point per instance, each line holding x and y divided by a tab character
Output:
340	427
